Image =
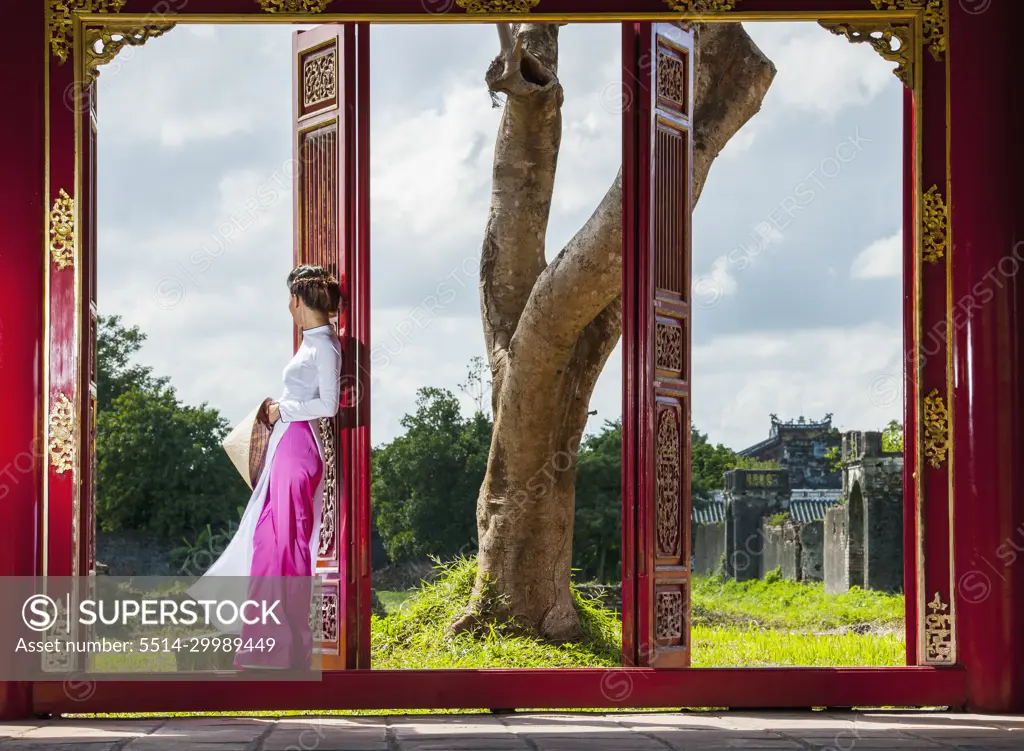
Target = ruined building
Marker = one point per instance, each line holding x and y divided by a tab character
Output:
801	448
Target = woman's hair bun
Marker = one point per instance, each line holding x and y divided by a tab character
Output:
317	288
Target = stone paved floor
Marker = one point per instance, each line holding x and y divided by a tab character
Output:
826	731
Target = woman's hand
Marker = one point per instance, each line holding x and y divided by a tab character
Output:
274	413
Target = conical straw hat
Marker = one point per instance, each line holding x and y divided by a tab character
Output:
246	445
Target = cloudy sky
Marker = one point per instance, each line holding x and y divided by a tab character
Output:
796	237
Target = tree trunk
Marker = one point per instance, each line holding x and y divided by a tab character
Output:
549	328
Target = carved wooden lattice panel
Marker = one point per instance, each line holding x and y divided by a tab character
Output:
668	474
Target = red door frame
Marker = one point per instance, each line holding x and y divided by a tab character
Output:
986	419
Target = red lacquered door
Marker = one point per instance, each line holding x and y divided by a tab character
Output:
329	142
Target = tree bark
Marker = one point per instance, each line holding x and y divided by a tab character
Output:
550	328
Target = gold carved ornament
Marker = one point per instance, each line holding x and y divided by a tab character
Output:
669	348
294	6
497	6
62	13
935	225
103	43
938	632
62	433
670	78
934	21
62	230
880	36
701	6
319	79
936	429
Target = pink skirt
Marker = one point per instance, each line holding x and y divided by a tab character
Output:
281	567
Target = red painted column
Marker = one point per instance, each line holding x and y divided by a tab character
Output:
987	222
21	307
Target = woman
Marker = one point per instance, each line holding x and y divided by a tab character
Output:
279	533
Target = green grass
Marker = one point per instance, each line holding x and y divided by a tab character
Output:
752	648
781	604
415	635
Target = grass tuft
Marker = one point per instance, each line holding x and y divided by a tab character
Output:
416	634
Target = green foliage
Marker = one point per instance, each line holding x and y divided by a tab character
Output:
749	462
778	518
597	534
160	466
835	458
194	558
426	482
709	463
116	373
892	436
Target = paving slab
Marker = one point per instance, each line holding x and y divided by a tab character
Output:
541	731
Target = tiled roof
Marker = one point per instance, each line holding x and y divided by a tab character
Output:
811	510
806	505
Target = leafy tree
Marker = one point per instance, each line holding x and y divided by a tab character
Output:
597	539
116	373
425	483
709	464
892	436
160	464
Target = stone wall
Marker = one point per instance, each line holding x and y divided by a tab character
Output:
873	489
781	549
750	496
812	551
134	554
837	540
708	548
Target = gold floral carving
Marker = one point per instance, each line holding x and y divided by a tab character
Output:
701	6
936	225
668	482
883	37
669	616
62	230
294	6
497	6
319	82
938	632
62	14
934	21
669	348
330	502
936	429
670	78
62	433
103	43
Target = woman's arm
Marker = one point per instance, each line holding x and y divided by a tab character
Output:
328	368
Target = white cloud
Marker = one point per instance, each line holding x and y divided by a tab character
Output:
175	132
739	380
819	72
882	259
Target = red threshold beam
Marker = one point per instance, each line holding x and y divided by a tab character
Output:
596	688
